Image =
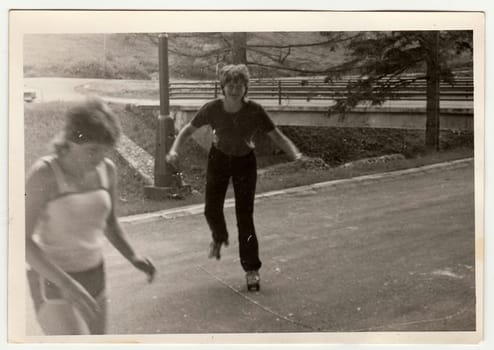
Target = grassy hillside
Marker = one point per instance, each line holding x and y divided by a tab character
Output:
89	56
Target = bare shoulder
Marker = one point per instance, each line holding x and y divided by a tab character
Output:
41	179
111	169
40	171
110	164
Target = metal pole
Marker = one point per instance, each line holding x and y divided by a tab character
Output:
168	182
432	105
165	135
216	76
279	92
437	88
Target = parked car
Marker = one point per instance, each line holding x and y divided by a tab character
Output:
29	94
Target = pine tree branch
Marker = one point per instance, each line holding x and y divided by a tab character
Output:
332	70
288	46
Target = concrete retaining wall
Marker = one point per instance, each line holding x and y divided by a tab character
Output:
372	117
401	117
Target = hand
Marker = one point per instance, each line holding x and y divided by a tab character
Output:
78	296
172	158
146	266
298	156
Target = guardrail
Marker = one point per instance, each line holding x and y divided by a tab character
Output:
318	89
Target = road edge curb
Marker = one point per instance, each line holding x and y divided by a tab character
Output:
195	209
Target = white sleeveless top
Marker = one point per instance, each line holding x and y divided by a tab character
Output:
71	229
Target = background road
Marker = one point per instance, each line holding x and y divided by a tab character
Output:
395	254
53	89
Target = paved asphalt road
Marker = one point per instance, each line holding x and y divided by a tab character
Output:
392	255
395	254
53	89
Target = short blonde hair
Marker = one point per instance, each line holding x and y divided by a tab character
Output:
234	73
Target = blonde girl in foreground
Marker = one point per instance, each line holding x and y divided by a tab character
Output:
70	207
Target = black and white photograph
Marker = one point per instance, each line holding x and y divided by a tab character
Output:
195	178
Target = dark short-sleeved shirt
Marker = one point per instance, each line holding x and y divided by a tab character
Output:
234	132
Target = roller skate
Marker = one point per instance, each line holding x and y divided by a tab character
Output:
214	249
253	280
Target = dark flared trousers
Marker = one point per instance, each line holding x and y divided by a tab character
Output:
243	172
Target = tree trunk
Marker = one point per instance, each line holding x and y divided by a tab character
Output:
432	126
239	50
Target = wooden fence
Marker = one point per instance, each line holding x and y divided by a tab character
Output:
316	88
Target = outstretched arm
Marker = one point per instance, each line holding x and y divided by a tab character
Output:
182	136
285	144
116	234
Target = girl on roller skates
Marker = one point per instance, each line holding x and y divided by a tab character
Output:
234	120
